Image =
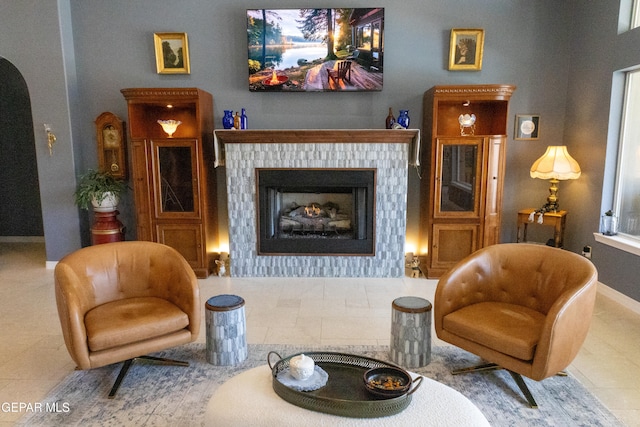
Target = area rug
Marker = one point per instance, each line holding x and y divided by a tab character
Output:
153	395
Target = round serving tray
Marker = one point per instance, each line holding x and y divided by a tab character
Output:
345	393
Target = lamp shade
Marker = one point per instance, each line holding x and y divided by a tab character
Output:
555	163
169	126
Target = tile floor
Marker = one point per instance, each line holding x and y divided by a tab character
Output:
33	358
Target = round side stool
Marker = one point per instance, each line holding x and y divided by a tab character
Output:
226	330
411	332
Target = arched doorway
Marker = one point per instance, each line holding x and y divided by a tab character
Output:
20	210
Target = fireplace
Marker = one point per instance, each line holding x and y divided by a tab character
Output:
316	211
381	193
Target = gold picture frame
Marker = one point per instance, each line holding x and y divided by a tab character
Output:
465	49
527	127
172	53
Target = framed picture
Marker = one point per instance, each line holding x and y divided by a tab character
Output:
465	50
527	127
172	53
289	49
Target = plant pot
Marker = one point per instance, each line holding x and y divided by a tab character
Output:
108	204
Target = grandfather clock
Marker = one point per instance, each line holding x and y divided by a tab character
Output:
111	138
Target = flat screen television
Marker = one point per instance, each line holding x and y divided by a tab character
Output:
310	50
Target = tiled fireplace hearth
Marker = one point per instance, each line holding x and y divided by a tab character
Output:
387	152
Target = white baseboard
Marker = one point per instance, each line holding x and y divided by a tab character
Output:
50	265
619	297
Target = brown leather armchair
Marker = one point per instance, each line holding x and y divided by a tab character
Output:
120	301
522	307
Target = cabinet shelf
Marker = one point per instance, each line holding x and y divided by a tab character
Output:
144	121
491	117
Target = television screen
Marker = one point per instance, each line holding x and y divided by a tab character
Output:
307	50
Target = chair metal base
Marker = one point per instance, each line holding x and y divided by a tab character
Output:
127	365
516	377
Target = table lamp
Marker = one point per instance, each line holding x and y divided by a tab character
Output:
555	165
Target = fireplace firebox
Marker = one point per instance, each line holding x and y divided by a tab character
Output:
316	211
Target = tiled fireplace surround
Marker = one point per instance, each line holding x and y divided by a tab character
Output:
389	152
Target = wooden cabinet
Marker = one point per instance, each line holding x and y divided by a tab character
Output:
461	193
172	176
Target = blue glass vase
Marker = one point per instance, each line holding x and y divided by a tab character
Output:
227	119
403	119
243	120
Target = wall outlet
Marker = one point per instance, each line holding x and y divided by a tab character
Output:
586	252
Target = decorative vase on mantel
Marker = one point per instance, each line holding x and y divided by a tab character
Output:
244	120
403	119
227	119
390	120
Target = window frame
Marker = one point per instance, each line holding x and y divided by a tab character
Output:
635	14
624	164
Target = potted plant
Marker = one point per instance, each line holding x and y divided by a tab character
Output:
609	223
100	190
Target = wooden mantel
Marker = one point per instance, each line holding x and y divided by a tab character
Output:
314	136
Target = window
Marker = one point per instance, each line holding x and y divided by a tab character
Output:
635	14
627	190
629	16
363	39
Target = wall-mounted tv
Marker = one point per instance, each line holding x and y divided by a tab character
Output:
310	50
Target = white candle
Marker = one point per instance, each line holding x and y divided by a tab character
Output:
301	367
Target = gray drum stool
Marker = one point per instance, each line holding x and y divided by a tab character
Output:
411	332
226	330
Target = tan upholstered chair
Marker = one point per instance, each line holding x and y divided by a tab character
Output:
522	307
120	301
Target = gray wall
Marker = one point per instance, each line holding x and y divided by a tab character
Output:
35	36
526	44
598	56
559	54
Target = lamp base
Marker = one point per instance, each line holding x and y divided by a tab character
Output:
552	201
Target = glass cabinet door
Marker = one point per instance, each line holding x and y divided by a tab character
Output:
457	189
175	174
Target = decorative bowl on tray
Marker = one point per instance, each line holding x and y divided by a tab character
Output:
387	381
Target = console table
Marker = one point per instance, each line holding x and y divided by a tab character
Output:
556	220
248	399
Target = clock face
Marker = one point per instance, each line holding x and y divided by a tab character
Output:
527	127
111	137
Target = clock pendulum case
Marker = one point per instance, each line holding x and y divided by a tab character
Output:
110	135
